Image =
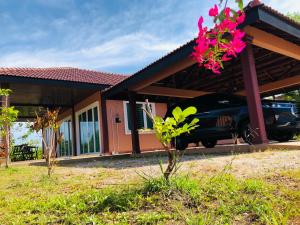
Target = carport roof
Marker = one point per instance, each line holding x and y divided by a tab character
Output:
260	16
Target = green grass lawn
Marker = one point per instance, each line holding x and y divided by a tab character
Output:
28	196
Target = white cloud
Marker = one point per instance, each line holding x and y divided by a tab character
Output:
132	38
284	6
136	48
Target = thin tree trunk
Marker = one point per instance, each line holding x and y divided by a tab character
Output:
6	127
52	141
7	152
171	164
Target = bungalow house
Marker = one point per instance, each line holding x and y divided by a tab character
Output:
101	113
77	93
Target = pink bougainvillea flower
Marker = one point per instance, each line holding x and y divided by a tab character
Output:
238	45
214	11
225	58
212	42
240	19
228	25
200	22
214	66
238	34
235	46
221	43
227	12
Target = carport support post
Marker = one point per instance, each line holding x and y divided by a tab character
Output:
105	137
134	129
253	96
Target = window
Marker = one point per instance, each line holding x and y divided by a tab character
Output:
143	121
88	125
65	147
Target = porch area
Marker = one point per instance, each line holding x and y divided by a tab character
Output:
77	95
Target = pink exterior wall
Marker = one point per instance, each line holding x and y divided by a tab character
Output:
119	141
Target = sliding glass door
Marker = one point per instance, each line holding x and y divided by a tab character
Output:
88	122
65	147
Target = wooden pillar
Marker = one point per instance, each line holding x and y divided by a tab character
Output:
74	136
253	97
134	125
104	129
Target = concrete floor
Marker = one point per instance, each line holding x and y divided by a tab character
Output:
225	148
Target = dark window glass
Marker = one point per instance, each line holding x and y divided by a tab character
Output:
129	116
149	123
141	117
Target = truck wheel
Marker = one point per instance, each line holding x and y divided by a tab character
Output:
246	133
181	144
284	137
209	143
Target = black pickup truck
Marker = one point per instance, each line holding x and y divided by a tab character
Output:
222	116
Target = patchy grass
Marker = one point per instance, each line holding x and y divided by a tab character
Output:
27	196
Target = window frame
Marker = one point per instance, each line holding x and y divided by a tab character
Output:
77	113
126	121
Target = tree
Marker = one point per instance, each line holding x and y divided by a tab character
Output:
292	95
49	121
295	16
167	130
8	115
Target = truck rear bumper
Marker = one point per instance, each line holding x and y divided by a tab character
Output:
289	127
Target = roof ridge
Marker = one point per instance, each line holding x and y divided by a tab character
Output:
63	68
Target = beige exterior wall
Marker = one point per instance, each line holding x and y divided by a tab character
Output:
119	141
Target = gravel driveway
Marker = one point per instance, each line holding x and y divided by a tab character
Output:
242	165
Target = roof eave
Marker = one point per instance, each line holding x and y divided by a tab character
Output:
277	22
40	81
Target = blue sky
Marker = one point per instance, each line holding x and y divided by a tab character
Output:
108	35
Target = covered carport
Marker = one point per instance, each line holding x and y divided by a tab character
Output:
268	65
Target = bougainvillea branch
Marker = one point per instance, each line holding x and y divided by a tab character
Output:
223	42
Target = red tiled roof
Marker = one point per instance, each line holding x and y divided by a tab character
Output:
65	74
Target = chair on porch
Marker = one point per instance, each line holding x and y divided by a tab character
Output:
24	152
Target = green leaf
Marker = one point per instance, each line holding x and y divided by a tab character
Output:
189	111
5	92
240	4
158	119
195	121
170	121
177	112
